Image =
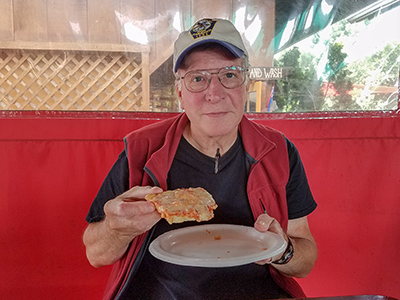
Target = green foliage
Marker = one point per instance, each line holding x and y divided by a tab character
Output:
339	78
303	90
379	69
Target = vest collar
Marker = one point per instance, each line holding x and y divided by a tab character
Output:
160	161
255	142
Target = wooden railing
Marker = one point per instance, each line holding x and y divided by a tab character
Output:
63	76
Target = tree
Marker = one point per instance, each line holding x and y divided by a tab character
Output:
301	90
338	87
338	76
379	69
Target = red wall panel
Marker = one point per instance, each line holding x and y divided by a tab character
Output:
52	165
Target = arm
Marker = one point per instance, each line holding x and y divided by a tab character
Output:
126	217
305	249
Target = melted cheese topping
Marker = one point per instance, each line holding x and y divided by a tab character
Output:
180	205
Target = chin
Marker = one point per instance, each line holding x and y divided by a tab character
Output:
219	130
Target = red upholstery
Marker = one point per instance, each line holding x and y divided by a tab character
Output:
52	165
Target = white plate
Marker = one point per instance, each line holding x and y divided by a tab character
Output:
216	245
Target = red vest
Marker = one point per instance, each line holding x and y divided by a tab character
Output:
150	152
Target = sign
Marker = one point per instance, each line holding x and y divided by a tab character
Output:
269	73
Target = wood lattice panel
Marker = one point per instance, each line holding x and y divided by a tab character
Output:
71	80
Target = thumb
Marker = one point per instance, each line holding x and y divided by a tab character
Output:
266	223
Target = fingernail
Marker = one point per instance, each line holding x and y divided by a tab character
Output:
148	208
262	223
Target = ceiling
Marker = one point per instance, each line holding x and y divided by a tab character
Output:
296	20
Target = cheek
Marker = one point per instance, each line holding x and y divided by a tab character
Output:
183	99
239	98
191	101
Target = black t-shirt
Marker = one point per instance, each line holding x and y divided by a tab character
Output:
155	279
299	198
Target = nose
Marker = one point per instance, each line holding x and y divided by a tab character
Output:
215	91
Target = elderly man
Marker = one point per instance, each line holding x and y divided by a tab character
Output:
253	172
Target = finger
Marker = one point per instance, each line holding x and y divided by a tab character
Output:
133	225
139	192
263	262
266	223
128	207
138	207
263	222
143	223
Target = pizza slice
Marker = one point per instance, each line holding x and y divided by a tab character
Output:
180	205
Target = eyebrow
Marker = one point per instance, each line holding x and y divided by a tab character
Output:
217	69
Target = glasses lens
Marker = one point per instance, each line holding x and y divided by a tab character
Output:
196	81
231	77
199	80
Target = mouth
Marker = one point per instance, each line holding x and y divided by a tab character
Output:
216	114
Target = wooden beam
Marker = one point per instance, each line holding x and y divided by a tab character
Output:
163	56
145	82
74	46
6	21
30	20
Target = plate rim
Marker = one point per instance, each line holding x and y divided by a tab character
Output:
156	250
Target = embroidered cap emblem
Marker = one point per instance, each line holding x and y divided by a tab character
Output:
202	28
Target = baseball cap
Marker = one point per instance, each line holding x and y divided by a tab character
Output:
205	31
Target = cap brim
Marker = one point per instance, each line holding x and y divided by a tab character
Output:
233	49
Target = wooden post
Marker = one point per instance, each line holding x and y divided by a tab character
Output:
145	81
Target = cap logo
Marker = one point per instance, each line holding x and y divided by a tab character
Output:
202	28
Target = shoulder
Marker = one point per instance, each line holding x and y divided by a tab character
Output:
157	128
257	134
153	137
265	130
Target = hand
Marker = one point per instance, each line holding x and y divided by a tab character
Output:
266	223
305	248
129	215
126	217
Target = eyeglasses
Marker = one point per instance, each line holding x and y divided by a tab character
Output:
199	80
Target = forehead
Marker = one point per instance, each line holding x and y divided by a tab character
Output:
209	59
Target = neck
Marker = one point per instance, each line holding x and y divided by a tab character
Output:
209	145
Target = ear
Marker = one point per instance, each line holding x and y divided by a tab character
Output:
246	94
247	82
178	89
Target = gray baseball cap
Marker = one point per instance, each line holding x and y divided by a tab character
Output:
205	31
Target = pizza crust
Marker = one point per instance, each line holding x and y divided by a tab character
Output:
181	205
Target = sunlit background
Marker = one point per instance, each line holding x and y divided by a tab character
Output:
306	56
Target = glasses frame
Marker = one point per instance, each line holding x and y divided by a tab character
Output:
209	77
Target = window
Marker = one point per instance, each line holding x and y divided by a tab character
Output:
306	56
352	64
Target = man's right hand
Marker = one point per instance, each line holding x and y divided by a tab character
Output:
126	217
129	214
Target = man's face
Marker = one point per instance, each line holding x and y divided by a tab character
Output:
216	111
